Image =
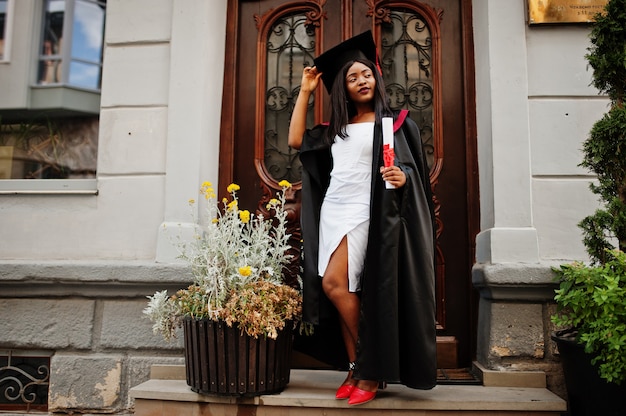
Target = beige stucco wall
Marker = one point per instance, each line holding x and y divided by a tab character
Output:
562	108
159	136
534	109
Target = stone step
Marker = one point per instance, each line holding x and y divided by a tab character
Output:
311	392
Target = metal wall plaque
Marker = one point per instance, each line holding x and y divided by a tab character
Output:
564	11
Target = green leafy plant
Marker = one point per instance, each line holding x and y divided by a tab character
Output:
237	261
592	300
605	148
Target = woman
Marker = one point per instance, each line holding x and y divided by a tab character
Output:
373	247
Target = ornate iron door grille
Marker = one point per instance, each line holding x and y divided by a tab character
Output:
407	70
290	47
24	382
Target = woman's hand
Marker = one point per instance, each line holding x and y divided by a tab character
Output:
394	175
297	126
310	79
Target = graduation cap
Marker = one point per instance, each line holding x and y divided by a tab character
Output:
357	47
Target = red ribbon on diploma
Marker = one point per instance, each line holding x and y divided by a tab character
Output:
388	155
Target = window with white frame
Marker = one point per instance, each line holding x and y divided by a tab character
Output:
72	43
57	144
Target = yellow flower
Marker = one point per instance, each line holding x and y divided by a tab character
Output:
244	216
245	271
245	290
207	190
284	184
233	187
272	203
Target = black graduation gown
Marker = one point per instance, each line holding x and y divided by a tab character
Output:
397	336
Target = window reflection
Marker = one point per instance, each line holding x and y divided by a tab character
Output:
52	149
84	55
3	25
50	66
84	75
88	30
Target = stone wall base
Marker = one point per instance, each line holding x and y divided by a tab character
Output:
87	317
514	326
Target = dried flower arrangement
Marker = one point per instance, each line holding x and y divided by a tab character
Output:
237	259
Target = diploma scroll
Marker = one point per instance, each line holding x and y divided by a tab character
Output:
388	153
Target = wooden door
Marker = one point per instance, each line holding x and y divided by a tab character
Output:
426	55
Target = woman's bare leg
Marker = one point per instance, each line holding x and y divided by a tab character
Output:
335	285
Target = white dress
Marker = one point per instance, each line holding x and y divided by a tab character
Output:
346	207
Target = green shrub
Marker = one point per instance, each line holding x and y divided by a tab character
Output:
605	148
592	299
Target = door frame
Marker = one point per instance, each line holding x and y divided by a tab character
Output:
229	119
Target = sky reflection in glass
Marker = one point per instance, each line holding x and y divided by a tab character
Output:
87	31
84	75
86	43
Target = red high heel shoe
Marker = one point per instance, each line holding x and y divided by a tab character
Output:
344	392
360	396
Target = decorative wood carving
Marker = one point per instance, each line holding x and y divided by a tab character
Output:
314	15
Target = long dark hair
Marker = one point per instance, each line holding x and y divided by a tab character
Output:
342	108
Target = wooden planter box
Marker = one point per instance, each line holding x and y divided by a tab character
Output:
219	360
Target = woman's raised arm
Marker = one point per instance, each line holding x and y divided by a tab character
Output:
297	126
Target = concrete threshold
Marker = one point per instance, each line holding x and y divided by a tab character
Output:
314	389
